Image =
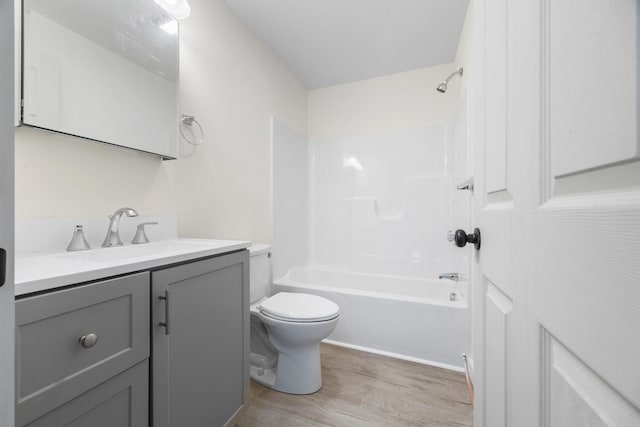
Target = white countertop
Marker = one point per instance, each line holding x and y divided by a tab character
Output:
41	272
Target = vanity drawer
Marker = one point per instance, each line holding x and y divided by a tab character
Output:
52	364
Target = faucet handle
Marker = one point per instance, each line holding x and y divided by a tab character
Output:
78	242
141	236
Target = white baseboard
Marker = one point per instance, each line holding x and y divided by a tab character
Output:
397	356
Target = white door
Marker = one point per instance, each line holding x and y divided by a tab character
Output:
557	279
7	399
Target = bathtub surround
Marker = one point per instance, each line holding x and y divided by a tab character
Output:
290	200
382	204
351	128
459	151
384	157
391	216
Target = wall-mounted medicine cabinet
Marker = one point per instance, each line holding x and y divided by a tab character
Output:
102	70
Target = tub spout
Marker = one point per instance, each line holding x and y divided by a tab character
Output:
451	276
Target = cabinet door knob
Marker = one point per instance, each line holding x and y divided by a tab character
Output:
88	340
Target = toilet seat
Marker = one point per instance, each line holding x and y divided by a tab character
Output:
298	307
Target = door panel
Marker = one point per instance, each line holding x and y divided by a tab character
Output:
496	244
588	286
559	256
591	59
576	396
498	307
496	110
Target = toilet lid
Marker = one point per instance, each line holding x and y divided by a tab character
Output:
299	307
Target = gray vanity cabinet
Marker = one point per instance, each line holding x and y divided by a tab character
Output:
81	355
200	341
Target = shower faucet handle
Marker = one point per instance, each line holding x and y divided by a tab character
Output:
450	236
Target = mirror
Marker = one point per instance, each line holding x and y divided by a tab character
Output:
102	70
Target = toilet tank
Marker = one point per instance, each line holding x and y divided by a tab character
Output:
260	271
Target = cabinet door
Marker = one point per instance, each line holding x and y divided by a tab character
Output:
200	359
121	401
53	366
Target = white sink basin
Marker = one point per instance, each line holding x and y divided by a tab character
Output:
41	272
144	251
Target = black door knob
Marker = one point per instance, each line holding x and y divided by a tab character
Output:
461	238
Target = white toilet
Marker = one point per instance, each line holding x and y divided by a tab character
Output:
286	330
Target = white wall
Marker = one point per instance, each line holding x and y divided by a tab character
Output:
464	53
233	84
371	107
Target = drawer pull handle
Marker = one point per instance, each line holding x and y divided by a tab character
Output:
165	297
88	341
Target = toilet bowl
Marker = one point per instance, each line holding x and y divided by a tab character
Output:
286	330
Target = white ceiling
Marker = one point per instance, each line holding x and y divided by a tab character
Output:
328	42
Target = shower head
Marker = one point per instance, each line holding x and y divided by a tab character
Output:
442	87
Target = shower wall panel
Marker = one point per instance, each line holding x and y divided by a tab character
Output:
290	198
382	204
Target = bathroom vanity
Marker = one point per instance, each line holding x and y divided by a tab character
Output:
142	335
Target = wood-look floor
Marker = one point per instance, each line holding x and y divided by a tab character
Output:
364	389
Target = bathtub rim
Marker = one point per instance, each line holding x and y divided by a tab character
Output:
287	281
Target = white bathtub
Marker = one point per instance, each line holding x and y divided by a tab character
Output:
408	318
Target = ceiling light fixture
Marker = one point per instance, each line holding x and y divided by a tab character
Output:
179	9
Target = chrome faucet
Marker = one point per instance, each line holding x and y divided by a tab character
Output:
451	276
113	234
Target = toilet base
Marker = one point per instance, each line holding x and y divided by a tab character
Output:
295	374
265	377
